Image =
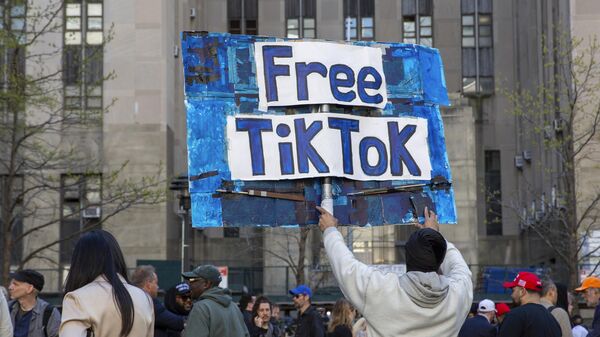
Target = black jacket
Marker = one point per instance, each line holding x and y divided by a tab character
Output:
310	324
166	323
595	330
477	326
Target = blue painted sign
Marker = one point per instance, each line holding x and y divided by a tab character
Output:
257	151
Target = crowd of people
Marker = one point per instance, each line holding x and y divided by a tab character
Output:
433	298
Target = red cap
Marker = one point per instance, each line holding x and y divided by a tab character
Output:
501	309
526	280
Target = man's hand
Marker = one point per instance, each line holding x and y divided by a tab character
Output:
430	221
326	220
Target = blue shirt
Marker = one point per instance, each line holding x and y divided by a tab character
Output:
22	324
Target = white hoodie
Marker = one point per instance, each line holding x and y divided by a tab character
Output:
414	304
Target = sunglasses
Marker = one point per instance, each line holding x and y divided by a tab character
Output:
197	279
298	295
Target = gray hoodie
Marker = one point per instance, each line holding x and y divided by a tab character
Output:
215	315
413	304
426	290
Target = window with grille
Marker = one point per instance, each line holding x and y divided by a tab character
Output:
242	17
300	19
13	37
417	22
477	47
83	60
493	189
359	20
81	200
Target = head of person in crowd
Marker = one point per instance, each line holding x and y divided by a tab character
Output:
247	301
577	320
301	297
25	284
501	310
425	250
275	312
98	254
144	277
590	288
487	309
549	291
178	299
201	279
473	310
526	288
343	313
261	311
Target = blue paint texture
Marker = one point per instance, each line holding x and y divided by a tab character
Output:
220	81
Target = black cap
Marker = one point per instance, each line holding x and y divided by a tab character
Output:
207	272
29	276
425	250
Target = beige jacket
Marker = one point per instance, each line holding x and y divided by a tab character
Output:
93	306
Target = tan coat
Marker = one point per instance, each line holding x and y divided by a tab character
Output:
93	306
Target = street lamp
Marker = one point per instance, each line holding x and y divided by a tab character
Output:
180	185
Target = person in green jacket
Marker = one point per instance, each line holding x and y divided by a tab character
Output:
214	314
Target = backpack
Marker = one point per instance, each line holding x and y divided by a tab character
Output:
45	317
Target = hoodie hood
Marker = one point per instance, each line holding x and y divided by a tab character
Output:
426	290
217	295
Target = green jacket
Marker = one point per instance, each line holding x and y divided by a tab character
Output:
215	315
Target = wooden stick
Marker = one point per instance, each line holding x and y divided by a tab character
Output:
267	194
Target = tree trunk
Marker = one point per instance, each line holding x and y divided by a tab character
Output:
300	277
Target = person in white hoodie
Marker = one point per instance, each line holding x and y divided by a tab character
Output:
432	298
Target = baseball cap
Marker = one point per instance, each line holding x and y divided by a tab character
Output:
182	289
207	272
29	276
501	309
301	290
589	282
526	280
486	306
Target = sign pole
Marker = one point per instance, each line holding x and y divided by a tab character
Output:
327	196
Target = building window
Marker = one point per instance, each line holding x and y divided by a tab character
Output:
242	17
477	47
300	19
12	52
359	23
81	201
493	190
417	23
15	211
83	60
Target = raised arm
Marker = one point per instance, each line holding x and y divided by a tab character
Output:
352	275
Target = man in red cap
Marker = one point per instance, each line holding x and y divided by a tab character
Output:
530	318
501	310
590	287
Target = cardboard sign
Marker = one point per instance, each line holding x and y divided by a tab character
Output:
273	147
296	73
257	148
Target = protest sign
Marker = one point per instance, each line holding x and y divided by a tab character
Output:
257	150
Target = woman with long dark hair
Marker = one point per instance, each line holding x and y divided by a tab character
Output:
99	300
342	318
